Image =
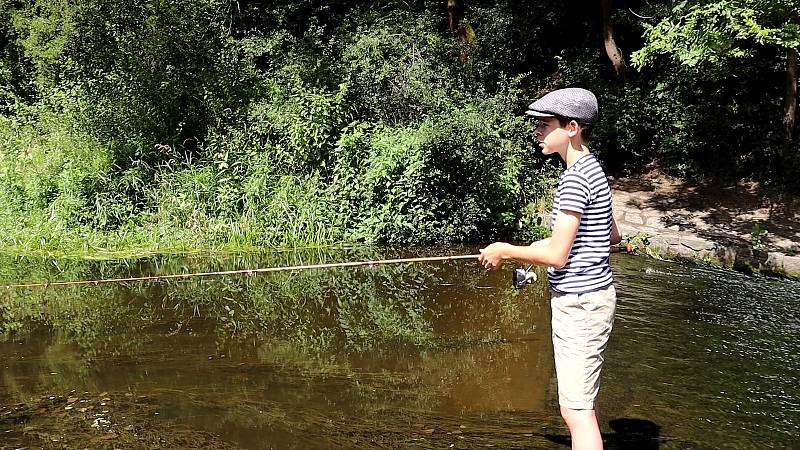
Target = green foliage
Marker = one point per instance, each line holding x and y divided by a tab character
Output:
7	97
198	123
300	124
639	242
451	178
157	75
49	174
46	28
712	32
399	66
757	236
724	85
293	213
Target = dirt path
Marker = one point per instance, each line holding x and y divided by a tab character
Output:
742	225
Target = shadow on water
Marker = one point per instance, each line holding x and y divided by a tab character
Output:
406	356
629	434
633	434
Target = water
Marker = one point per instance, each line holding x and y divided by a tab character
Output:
402	356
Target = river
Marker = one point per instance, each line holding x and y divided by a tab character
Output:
425	355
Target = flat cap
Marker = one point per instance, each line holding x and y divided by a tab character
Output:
570	103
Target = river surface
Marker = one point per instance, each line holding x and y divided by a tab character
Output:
424	355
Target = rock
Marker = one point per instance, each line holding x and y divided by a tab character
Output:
634	218
655	222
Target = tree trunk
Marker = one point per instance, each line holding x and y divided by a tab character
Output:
452	19
613	52
790	101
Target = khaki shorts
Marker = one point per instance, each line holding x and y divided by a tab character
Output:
581	327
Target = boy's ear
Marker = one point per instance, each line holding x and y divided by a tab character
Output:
572	128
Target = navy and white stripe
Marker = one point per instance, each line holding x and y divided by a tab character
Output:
583	188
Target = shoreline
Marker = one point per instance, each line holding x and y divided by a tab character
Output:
696	249
737	226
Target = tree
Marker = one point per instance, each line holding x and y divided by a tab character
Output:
701	32
609	43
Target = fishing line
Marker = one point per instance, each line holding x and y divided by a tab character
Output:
249	272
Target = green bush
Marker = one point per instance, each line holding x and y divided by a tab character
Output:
195	123
50	174
399	66
453	177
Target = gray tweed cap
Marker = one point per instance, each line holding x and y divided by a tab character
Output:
570	103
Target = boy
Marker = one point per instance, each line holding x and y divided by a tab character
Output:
583	298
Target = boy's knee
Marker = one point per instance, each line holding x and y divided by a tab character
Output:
574	416
567	413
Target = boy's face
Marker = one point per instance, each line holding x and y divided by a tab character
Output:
552	137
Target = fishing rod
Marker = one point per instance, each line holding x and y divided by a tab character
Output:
519	278
249	272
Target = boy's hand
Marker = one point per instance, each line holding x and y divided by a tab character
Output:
492	256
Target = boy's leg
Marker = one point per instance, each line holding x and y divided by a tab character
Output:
583	428
581	327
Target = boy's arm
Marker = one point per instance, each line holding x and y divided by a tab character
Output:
547	252
541	242
615	236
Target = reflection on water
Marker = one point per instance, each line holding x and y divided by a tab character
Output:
409	355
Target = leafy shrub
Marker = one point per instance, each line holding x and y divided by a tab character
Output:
453	177
398	65
46	165
290	123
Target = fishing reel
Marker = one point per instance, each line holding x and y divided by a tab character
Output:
521	277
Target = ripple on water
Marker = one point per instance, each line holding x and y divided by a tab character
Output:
708	357
723	344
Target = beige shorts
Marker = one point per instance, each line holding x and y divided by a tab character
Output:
581	326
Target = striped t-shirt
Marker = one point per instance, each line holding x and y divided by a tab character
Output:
583	188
